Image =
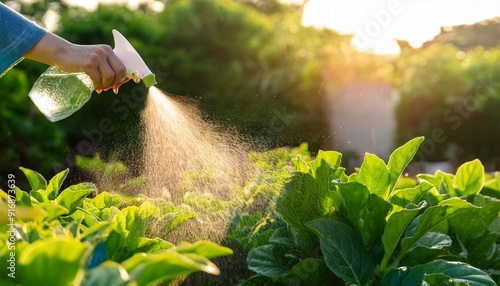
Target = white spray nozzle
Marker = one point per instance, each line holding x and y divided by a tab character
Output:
135	65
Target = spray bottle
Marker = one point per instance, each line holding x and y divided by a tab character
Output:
58	94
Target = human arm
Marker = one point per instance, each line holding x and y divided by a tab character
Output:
99	62
20	38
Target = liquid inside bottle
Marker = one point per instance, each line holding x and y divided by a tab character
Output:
58	94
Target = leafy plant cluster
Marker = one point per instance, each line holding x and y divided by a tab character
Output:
375	227
68	238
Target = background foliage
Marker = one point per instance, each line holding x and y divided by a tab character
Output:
252	66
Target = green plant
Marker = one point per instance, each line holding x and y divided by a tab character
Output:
70	239
111	176
368	229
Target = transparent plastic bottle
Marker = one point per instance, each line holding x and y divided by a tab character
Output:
58	94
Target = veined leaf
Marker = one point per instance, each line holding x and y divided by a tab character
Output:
71	197
22	198
332	158
457	272
300	202
285	237
470	224
431	179
106	200
403	197
149	245
40	195
375	176
354	197
300	165
177	218
400	158
394	230
433	240
470	177
343	251
432	217
366	211
37	181
55	184
447	186
270	261
53	210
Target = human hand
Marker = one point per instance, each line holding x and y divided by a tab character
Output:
99	62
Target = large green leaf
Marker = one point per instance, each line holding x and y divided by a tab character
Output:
54	261
354	197
147	269
470	177
149	245
269	260
177	218
299	203
433	240
447	184
55	184
366	211
332	160
106	200
22	198
455	272
71	197
395	229
205	248
375	175
400	158
470	224
343	251
37	181
402	197
432	217
53	210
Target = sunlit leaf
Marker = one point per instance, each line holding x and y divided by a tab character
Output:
457	272
71	197
37	181
470	177
375	175
400	158
395	229
55	261
55	184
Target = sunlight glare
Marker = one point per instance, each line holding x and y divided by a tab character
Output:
376	24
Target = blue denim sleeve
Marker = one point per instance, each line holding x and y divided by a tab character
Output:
18	36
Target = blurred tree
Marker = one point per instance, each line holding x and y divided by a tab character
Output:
466	37
452	98
27	138
257	72
250	65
